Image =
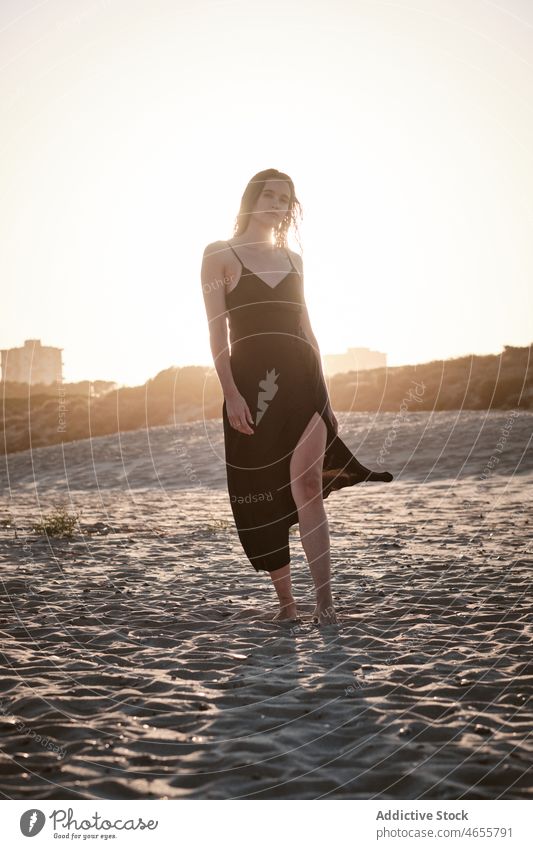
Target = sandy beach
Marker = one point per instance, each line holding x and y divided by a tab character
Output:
140	659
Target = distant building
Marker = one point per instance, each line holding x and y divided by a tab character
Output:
33	363
355	359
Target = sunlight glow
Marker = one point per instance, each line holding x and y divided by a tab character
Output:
131	134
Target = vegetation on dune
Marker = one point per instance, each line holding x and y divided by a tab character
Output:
58	523
34	416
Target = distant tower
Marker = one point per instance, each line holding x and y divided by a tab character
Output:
33	363
355	359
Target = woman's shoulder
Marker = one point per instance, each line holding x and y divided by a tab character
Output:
216	247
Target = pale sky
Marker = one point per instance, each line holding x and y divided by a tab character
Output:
131	127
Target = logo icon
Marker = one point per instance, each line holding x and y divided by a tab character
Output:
31	822
268	390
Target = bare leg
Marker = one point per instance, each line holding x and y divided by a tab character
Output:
306	485
282	583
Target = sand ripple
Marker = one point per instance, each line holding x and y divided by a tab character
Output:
139	659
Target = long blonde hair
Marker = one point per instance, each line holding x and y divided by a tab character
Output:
249	198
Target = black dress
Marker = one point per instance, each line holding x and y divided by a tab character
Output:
278	373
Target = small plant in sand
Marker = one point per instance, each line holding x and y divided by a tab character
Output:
217	525
58	523
210	529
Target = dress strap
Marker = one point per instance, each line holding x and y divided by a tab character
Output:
238	257
247	269
290	260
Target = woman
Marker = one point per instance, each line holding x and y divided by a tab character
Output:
283	454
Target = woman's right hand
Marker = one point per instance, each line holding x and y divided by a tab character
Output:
238	412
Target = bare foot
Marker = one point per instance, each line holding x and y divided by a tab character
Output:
287	612
324	614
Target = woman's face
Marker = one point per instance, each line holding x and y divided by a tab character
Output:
273	202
